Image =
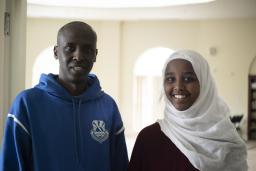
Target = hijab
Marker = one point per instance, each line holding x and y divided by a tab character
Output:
204	132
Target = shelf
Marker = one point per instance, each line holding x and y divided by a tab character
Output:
252	107
252	130
253	119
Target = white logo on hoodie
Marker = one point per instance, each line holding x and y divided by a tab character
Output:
98	131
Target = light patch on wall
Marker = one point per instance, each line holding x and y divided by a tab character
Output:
147	107
45	63
151	62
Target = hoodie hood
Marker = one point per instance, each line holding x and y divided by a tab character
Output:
50	84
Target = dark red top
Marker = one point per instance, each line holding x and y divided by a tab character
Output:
154	151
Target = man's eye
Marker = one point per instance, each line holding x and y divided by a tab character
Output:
69	48
90	51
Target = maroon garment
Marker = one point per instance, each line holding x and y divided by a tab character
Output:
154	151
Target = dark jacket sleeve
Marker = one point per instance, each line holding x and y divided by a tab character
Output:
16	153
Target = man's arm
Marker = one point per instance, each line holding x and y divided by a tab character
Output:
16	149
119	160
119	151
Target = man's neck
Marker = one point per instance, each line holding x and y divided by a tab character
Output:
73	88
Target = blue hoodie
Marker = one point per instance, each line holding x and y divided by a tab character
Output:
47	129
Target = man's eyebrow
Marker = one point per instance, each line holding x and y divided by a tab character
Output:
67	43
168	73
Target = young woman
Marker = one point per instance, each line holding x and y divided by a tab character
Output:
196	132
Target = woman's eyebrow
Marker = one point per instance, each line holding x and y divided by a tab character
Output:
189	73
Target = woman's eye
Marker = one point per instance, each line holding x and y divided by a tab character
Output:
188	79
170	79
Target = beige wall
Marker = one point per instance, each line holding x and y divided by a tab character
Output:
2	111
17	47
41	34
121	43
12	54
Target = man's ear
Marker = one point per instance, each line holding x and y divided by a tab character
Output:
96	53
55	50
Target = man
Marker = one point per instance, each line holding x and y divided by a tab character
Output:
66	122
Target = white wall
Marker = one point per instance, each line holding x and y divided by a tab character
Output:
139	36
108	61
121	43
235	41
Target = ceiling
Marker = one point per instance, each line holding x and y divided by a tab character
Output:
116	3
219	9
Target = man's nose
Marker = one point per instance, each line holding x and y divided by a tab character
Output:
78	54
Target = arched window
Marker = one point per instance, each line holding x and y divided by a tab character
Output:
45	63
147	107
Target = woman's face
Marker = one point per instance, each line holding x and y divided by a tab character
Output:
181	85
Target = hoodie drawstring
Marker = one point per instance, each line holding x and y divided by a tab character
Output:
77	128
74	115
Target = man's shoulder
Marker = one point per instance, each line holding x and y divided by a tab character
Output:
31	92
107	97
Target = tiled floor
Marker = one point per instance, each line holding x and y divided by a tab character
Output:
251	147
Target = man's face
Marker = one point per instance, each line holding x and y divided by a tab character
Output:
181	84
76	51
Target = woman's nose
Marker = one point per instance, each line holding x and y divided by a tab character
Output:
179	85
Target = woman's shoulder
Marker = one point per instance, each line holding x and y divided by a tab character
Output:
150	131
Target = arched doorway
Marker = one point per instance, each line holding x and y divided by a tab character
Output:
45	63
147	107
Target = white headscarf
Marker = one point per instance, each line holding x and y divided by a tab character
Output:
204	132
